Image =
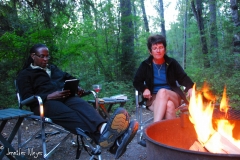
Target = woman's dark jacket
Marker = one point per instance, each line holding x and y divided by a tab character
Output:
174	72
37	82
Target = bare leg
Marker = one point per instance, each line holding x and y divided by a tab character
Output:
164	105
170	111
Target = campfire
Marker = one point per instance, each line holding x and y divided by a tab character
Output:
213	135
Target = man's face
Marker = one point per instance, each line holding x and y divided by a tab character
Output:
41	57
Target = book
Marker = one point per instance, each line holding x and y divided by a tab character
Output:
119	96
72	85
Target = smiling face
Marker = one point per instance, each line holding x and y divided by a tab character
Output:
158	51
41	57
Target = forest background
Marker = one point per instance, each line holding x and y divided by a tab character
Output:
104	41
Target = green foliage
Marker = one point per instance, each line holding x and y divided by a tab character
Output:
85	39
224	63
217	77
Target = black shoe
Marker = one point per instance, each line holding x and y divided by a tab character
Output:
143	143
116	126
121	143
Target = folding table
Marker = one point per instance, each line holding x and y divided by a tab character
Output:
7	148
102	102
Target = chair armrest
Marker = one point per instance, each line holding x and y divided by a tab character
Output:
33	99
28	100
87	93
139	98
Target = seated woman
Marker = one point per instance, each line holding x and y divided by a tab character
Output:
40	78
156	79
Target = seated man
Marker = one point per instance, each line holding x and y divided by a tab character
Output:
39	78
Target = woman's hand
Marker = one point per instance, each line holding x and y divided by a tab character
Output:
189	93
147	94
59	94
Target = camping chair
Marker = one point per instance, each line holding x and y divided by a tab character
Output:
140	106
86	142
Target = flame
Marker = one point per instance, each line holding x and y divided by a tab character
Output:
207	93
224	105
201	116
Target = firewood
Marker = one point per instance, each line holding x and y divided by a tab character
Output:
197	147
218	143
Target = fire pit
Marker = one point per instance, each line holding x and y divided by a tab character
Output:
171	139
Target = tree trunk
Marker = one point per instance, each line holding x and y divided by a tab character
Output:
213	31
234	7
9	21
144	16
47	14
162	20
184	36
197	11
235	17
127	58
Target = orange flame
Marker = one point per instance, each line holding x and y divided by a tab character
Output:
201	116
224	104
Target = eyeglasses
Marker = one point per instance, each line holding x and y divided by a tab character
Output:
157	48
42	56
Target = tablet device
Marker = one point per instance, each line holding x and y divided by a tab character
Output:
72	85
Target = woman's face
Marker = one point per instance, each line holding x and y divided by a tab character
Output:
158	51
41	57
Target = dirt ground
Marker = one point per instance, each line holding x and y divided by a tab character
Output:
67	151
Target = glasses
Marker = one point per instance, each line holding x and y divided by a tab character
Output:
157	48
42	56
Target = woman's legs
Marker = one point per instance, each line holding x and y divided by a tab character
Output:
164	105
170	110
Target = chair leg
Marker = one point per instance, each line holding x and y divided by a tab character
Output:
73	143
87	143
19	137
141	124
43	137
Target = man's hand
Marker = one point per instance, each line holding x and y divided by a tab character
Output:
59	94
80	91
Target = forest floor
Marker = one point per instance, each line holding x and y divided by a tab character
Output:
66	151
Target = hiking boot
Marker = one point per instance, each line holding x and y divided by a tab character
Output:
120	146
115	127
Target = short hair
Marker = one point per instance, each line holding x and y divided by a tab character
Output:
33	50
155	39
36	47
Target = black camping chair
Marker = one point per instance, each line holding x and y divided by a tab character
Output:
86	143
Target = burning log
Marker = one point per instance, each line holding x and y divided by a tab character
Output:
197	147
221	144
217	143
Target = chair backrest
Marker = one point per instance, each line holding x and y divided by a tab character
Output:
18	95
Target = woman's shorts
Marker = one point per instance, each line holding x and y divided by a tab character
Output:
150	101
